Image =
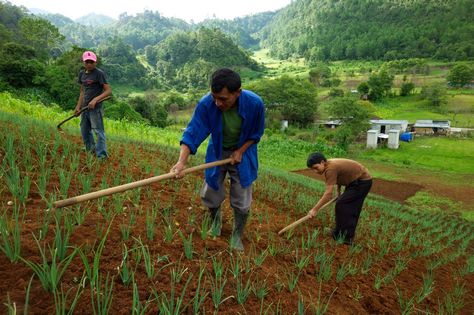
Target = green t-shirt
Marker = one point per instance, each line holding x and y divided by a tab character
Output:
231	127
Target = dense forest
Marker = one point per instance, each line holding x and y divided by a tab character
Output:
150	52
372	29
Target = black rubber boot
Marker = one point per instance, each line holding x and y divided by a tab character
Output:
216	222
240	219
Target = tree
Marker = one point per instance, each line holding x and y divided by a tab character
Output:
363	88
435	94
406	88
354	119
319	73
61	78
295	99
41	34
460	75
150	109
380	84
19	66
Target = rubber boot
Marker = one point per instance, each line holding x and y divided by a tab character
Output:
216	222
240	219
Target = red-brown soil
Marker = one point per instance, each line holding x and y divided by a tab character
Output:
354	295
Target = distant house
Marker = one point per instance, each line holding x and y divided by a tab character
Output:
432	127
384	126
333	123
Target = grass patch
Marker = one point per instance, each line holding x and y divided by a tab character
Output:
434	153
426	202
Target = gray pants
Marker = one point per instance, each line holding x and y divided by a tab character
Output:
240	198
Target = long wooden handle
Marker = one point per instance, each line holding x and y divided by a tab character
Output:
80	112
305	218
143	182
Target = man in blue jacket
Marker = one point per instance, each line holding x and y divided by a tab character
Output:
235	119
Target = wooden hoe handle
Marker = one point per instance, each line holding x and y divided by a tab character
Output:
305	218
143	182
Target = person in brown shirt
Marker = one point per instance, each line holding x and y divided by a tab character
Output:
357	182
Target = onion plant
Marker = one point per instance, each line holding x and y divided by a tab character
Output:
407	304
427	288
200	294
188	245
125	271
292	279
61	298
217	291
92	271
10	235
242	290
49	271
102	295
150	223
173	305
137	307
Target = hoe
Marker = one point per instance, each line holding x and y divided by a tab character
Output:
78	114
124	187
305	218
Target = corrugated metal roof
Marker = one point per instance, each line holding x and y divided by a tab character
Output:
388	122
432	124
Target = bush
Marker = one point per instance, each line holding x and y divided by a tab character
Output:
407	88
336	92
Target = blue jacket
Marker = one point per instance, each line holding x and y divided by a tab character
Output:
207	119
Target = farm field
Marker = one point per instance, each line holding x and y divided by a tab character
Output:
147	250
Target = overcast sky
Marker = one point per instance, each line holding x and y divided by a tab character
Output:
196	10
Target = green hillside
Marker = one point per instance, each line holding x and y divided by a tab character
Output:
372	29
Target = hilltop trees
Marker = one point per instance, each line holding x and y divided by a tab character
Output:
383	29
185	59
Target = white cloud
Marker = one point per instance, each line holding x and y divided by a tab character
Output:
188	10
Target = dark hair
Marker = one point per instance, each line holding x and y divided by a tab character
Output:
315	158
225	77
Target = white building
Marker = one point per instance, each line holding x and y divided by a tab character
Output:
383	126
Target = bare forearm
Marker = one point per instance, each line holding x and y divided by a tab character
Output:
246	145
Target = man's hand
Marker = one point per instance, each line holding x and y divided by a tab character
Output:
92	103
236	157
312	213
178	169
77	110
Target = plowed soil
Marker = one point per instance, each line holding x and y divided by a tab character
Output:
354	295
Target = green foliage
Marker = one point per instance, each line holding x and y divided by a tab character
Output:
18	65
41	35
380	84
319	73
335	30
121	110
61	78
336	92
435	94
363	88
186	59
295	99
150	109
460	75
120	63
354	119
242	30
407	88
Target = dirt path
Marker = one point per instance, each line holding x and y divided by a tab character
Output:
458	188
393	190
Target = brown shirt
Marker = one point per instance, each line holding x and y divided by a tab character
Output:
344	171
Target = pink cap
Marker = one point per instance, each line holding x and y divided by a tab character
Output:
89	55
